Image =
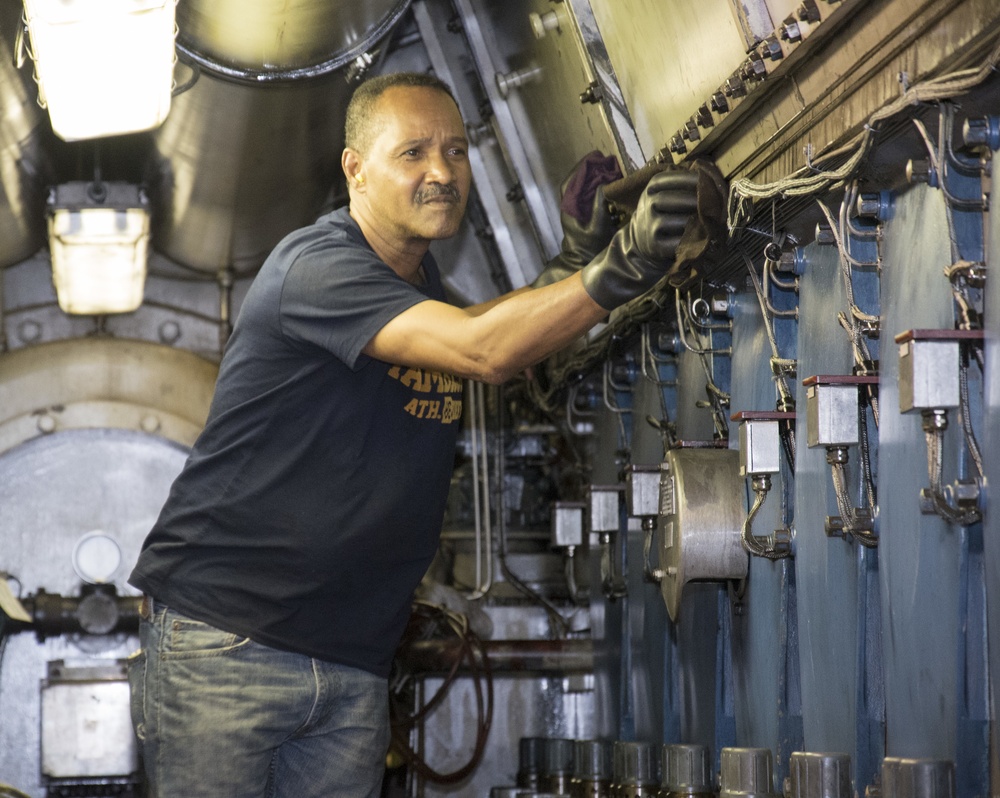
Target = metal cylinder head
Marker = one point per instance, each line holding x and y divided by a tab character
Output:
813	775
557	765
746	772
685	769
557	756
635	763
531	753
592	759
918	778
591	769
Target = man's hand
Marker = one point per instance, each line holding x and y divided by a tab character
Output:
641	253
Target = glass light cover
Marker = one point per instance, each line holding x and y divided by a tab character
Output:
99	254
103	67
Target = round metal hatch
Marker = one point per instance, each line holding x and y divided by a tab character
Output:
701	513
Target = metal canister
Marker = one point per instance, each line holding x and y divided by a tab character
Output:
635	770
685	772
531	752
557	765
918	778
815	775
591	769
746	773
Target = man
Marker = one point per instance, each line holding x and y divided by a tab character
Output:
279	575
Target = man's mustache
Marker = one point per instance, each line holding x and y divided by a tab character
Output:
438	190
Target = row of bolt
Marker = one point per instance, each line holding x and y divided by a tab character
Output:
750	73
554	768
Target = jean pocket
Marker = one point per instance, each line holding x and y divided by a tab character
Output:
187	637
136	667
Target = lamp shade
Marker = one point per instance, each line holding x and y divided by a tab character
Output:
99	248
103	67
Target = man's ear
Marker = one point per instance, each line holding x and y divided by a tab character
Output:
350	162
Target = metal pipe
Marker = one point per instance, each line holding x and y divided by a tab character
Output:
535	657
98	611
484	588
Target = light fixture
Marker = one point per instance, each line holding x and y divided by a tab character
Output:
98	239
103	67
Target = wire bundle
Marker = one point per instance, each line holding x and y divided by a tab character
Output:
430	621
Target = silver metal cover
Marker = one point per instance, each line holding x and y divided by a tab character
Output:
832	415
642	490
87	730
928	375
567	524
604	503
760	447
702	517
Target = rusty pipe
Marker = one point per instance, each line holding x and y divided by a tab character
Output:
535	657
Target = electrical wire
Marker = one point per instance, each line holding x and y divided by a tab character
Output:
760	545
965	414
851	520
936	166
718	399
852	324
480	490
784	391
429	621
850	200
935	470
505	568
845	234
846	159
651	371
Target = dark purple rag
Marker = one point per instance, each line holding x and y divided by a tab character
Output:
593	171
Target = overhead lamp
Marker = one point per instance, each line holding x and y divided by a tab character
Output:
99	240
103	67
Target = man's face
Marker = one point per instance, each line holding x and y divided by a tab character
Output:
415	177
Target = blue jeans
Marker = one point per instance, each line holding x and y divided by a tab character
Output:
220	716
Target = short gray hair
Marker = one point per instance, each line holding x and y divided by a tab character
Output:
359	124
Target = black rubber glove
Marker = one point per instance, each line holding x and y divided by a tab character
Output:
581	242
641	253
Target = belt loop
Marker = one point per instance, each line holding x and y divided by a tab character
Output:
146	607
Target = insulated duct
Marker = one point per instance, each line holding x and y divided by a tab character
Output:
23	166
251	150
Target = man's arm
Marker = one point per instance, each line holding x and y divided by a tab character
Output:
490	342
494	341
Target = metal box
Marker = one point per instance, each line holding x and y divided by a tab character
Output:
604	504
642	490
929	363
86	723
831	413
567	524
760	447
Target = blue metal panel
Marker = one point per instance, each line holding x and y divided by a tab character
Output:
916	551
649	620
693	423
766	715
826	570
699	638
608	628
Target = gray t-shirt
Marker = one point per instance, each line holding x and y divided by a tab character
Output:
311	504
